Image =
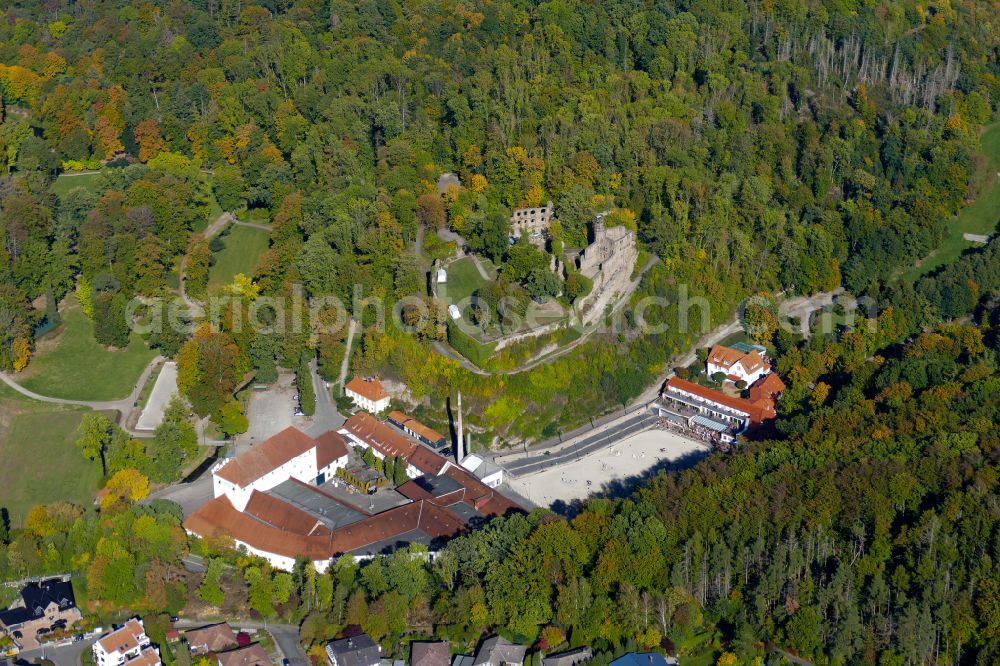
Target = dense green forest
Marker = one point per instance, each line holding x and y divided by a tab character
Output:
755	147
866	530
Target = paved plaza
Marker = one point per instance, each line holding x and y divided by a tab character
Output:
591	472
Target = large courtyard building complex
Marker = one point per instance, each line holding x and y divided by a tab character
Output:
279	501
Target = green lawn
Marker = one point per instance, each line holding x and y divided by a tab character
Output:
35	435
980	217
66	182
70	364
463	280
243	247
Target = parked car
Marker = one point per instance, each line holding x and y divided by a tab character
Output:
299	412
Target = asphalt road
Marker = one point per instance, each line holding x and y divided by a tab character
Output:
190	496
327	417
607	436
67	655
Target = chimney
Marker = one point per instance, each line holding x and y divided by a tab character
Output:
459	453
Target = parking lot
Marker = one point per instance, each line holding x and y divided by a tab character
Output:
271	411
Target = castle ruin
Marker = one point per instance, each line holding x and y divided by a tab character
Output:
610	259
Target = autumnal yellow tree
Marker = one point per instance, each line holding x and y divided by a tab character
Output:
110	123
479	183
760	319
727	659
22	352
244	287
820	394
127	484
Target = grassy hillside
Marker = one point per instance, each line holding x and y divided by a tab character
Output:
70	364
244	245
36	435
980	217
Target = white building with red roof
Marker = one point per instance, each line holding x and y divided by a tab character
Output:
366	431
126	645
746	364
291	454
271	501
716	414
367	394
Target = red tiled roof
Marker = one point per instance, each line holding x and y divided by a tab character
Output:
767	387
124	639
147	657
218	517
416	426
727	357
724	356
251	655
367	388
477	494
330	446
266	457
756	412
427	461
379	436
752	362
275	512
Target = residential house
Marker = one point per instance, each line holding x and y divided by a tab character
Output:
213	638
367	394
568	658
643	659
737	363
127	645
358	650
498	651
430	653
251	655
42	606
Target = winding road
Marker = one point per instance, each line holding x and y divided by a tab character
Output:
445	350
123	406
211	230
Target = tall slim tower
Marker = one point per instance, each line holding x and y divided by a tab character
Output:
459	453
